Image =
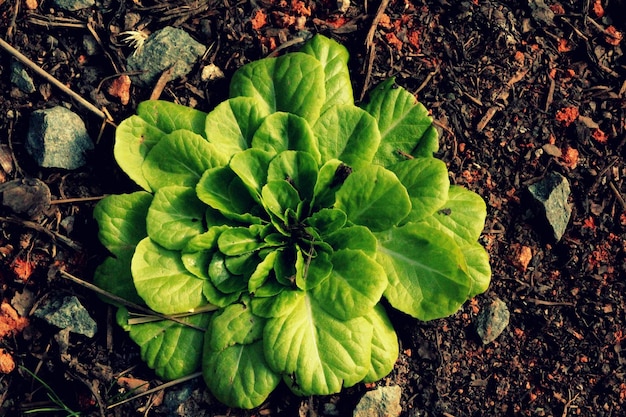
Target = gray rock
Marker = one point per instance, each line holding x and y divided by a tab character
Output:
20	78
381	402
492	321
29	196
91	45
57	138
67	313
166	48
550	195
73	5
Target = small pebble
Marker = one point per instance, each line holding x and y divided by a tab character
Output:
21	79
551	196
381	402
492	321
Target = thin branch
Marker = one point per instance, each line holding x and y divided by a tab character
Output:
77	200
30	64
125	302
39	228
369	45
157	389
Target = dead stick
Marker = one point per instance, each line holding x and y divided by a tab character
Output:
369	45
77	200
157	389
39	228
125	302
550	303
618	195
30	64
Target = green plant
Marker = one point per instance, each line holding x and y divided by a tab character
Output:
292	212
59	405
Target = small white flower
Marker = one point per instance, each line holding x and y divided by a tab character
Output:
136	39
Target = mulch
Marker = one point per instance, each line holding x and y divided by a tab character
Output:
517	89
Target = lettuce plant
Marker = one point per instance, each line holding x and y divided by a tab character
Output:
272	228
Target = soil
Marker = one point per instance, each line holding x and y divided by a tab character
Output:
517	89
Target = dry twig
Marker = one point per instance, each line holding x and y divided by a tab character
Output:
30	64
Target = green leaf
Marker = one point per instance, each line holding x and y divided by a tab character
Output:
239	376
134	138
297	168
428	144
347	133
171	349
285	131
222	190
206	240
334	59
329	180
122	221
427	272
353	237
231	125
373	197
240	240
327	221
317	353
162	280
113	275
402	122
175	216
385	345
292	83
313	266
234	365
234	325
478	266
180	158
251	167
276	303
354	287
217	297
278	197
462	216
197	263
427	182
122	224
168	117
224	280
262	272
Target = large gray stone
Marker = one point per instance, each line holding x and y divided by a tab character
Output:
551	195
57	138
166	48
67	313
381	402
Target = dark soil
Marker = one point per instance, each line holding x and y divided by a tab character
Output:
498	77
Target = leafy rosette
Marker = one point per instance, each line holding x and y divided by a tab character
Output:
271	228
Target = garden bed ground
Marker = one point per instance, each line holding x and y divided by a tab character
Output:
517	89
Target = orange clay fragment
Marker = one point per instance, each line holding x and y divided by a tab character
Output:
10	322
259	20
613	36
7	363
120	88
598	10
567	115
